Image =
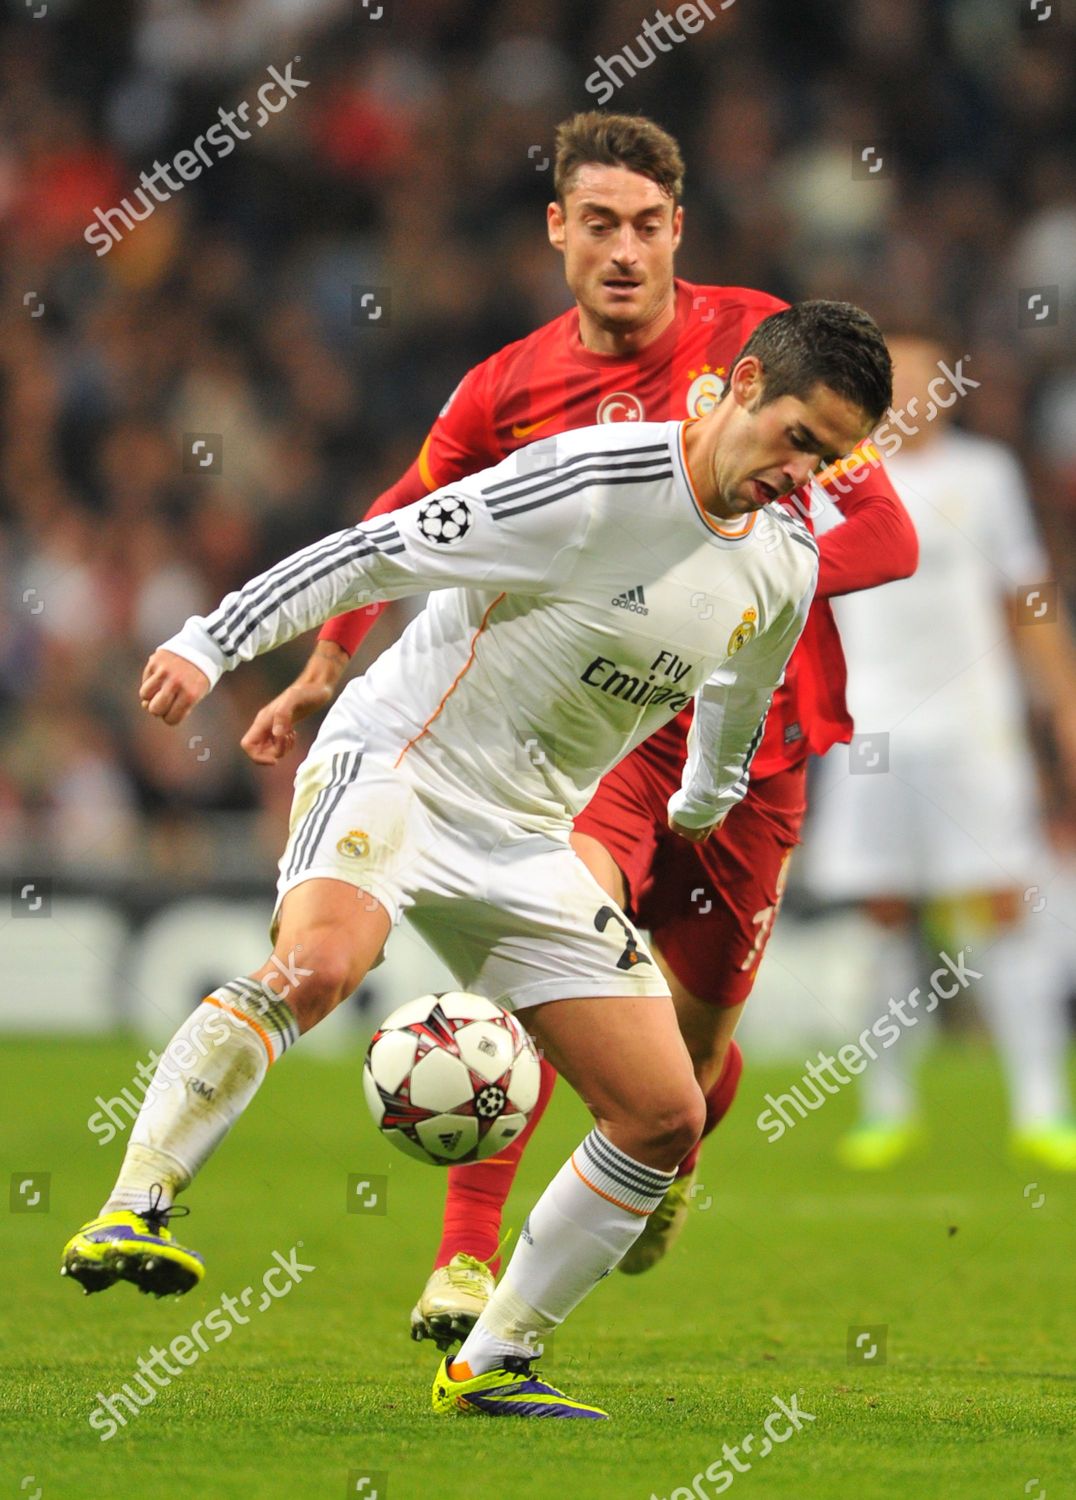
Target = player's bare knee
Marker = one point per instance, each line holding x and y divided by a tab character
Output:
687	1123
671	1127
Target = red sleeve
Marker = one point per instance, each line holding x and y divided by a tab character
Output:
877	542
459	442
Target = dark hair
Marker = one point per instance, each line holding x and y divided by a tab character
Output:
630	141
824	343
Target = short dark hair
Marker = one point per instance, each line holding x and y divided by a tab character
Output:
824	343
632	141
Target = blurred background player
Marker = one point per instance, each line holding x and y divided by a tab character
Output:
638	345
935	813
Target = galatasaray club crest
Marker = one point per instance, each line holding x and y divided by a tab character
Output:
620	406
744	631
354	845
705	389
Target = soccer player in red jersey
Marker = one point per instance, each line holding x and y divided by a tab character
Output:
639	344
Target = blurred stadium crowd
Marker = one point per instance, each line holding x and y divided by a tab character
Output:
417	161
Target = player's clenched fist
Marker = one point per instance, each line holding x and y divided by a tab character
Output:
171	686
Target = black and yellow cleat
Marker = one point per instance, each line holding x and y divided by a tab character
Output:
512	1390
135	1247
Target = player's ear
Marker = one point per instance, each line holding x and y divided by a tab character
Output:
554	222
746	382
677	226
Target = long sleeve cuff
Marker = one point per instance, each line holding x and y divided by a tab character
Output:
195	646
692	812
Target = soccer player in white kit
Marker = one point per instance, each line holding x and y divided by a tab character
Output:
443	785
934	683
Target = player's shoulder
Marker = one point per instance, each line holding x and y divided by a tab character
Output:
585	481
706	301
523	350
615	437
585	456
581	458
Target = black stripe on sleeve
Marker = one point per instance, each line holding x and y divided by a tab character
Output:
586	463
232	628
561	494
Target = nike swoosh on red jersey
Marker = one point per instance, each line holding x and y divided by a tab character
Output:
528	428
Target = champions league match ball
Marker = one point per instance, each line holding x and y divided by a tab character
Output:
450	1078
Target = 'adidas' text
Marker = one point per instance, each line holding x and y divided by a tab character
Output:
632	599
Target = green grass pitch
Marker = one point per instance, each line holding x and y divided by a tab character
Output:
963	1258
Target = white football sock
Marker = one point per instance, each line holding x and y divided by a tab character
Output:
888	1086
587	1219
205	1078
1022	993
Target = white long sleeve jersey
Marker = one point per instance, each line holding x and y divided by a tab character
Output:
581	598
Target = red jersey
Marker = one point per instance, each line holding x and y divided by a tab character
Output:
548	383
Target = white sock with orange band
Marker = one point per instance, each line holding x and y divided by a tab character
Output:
205	1078
587	1219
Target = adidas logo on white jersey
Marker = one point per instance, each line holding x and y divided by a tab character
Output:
633	599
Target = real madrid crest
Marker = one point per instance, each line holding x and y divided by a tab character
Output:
354	845
744	630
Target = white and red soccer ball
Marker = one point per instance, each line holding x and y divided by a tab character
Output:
450	1078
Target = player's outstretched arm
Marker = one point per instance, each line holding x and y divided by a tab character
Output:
279	604
271	734
458	444
451	539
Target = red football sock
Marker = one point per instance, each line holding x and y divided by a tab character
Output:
476	1194
718	1103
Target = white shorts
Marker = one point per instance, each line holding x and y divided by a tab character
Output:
941	821
515	916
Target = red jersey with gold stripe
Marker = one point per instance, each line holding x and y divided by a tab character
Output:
549	383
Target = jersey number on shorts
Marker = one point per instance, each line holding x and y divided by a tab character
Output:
763	920
631	955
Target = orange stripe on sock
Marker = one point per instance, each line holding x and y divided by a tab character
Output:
456	682
642	1213
241	1016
